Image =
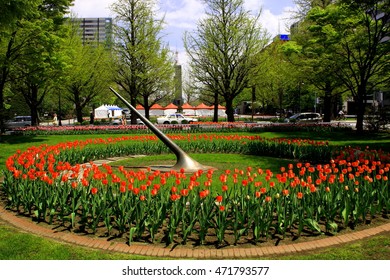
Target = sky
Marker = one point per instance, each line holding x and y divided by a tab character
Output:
182	15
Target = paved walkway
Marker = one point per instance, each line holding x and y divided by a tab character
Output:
182	253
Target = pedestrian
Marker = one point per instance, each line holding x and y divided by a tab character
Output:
55	119
341	114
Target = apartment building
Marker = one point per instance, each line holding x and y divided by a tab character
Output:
96	30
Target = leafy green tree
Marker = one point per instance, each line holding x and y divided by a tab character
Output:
222	50
38	65
316	67
354	33
304	6
143	65
274	76
88	74
12	12
27	47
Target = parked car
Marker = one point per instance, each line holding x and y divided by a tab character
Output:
18	121
119	121
304	118
175	119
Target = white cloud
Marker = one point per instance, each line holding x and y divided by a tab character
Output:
184	14
92	8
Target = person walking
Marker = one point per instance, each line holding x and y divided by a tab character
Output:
55	119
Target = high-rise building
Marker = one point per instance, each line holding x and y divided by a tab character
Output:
96	30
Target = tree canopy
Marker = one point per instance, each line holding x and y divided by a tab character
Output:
222	50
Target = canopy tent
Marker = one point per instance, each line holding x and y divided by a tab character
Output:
170	109
188	109
204	110
140	109
221	110
108	111
156	110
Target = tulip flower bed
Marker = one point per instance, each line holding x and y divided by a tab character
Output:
62	185
175	128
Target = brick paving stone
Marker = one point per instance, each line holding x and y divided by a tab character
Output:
242	253
218	254
167	252
177	253
96	244
266	250
186	253
228	253
374	231
77	239
334	240
196	254
128	248
207	254
88	243
274	250
190	254
144	250
161	252
260	252
154	252
385	227
149	250
105	245
252	252
289	249
297	247
278	250
136	249
236	253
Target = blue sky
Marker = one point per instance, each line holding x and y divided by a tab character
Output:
182	16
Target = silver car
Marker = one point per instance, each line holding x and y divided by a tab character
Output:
304	118
18	121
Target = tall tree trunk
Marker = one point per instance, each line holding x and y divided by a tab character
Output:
2	107
229	110
34	106
328	103
146	107
215	117
79	113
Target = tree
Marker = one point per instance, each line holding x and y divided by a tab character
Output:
12	12
315	64
304	6
27	48
355	35
38	66
222	50
273	76
88	73
144	68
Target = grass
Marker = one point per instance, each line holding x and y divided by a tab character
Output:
219	161
18	245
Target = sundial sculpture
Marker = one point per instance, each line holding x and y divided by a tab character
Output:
183	161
